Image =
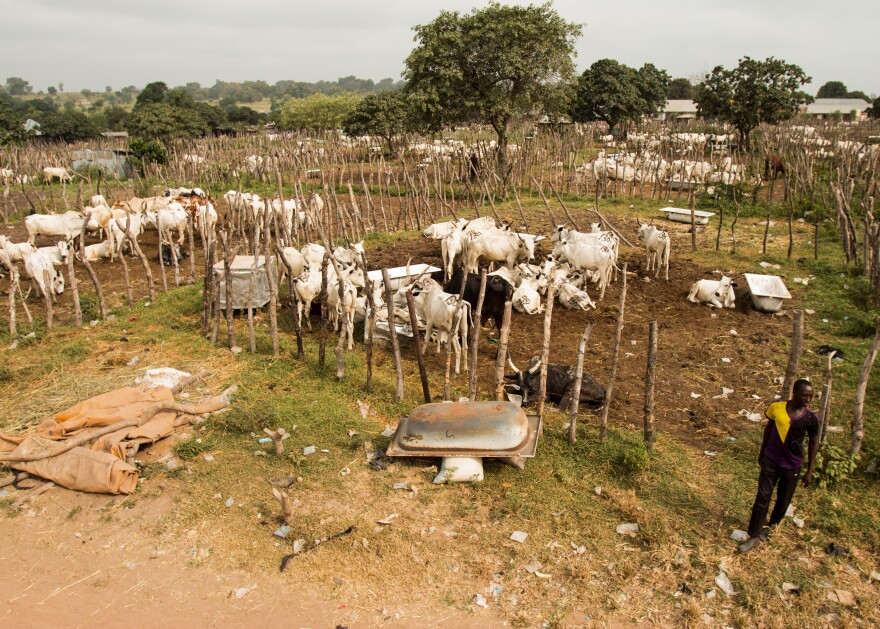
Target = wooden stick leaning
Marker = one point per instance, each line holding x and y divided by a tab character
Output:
475	336
545	350
576	393
395	345
649	386
615	356
502	351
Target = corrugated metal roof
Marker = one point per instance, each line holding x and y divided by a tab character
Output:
680	107
835	105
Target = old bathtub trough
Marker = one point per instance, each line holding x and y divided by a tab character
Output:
463	433
680	215
768	291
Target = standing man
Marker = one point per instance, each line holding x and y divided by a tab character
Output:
781	458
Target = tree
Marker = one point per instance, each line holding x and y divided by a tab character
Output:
680	89
68	126
616	93
874	109
492	65
166	122
832	89
11	125
17	86
753	92
52	90
155	92
318	111
386	115
859	94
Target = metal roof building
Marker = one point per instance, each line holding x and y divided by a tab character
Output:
822	108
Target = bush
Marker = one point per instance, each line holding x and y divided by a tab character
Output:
631	461
246	416
145	152
88	305
833	465
188	449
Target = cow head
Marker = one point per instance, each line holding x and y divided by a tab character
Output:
725	286
595	228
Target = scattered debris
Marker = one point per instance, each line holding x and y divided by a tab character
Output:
309	450
810	311
282	531
533	566
388	520
240	592
725	360
133	362
827	350
739	535
403	486
480	601
874	576
710	453
299	546
680	557
724	584
388	432
284	481
844	597
725	391
752	417
363	409
597	490
791	587
230	502
207	457
519	536
628	528
696	395
235	349
798	522
733	333
836	551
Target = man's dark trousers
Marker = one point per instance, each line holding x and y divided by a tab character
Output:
771	474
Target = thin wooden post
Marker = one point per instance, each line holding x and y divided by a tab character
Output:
91	272
208	288
273	288
576	394
190	224
145	263
48	291
228	257
370	323
794	354
825	410
545	350
74	290
395	345
615	355
501	359
649	386
252	281
475	336
13	286
414	321
858	423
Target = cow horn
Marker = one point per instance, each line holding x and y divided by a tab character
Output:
512	366
536	367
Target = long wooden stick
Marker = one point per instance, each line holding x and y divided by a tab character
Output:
576	393
615	355
414	321
649	386
794	354
545	351
395	345
501	359
475	336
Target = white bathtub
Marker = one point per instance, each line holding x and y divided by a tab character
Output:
684	216
768	291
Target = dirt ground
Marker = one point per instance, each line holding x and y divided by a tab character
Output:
105	565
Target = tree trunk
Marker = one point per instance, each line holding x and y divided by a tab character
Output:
794	355
649	386
858	424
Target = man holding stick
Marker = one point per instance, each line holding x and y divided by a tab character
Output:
781	458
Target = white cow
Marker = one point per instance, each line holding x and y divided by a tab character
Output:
716	293
68	225
657	245
498	245
16	251
593	260
574	298
52	172
526	298
438	231
98	200
344	308
101	250
294	260
450	248
43	261
169	219
440	311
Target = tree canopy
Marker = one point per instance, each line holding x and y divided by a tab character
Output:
318	111
874	109
384	115
165	122
680	89
11	125
754	92
68	126
491	66
614	93
832	89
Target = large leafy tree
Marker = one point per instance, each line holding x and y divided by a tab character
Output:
680	89
753	92
386	115
492	65
165	122
318	111
615	93
832	89
11	125
68	126
17	86
874	109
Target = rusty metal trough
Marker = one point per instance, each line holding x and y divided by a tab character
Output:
467	429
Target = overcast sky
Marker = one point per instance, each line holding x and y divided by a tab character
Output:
94	43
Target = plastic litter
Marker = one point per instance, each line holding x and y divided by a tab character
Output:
519	536
627	528
162	377
724	584
230	502
307	450
739	535
282	531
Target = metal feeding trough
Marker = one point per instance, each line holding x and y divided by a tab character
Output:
399	274
768	291
465	432
680	215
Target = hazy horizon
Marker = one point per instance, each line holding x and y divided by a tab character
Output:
93	43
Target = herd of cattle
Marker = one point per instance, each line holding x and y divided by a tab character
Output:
576	261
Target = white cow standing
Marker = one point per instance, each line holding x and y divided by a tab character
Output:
657	244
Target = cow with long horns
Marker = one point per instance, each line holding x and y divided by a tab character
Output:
560	384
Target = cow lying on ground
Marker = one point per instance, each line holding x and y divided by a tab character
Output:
560	384
716	293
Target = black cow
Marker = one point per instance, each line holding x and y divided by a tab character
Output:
165	254
560	384
498	291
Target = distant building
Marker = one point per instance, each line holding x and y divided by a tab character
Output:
678	111
115	134
114	162
850	109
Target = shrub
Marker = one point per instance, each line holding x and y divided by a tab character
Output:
191	448
834	465
632	460
88	304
